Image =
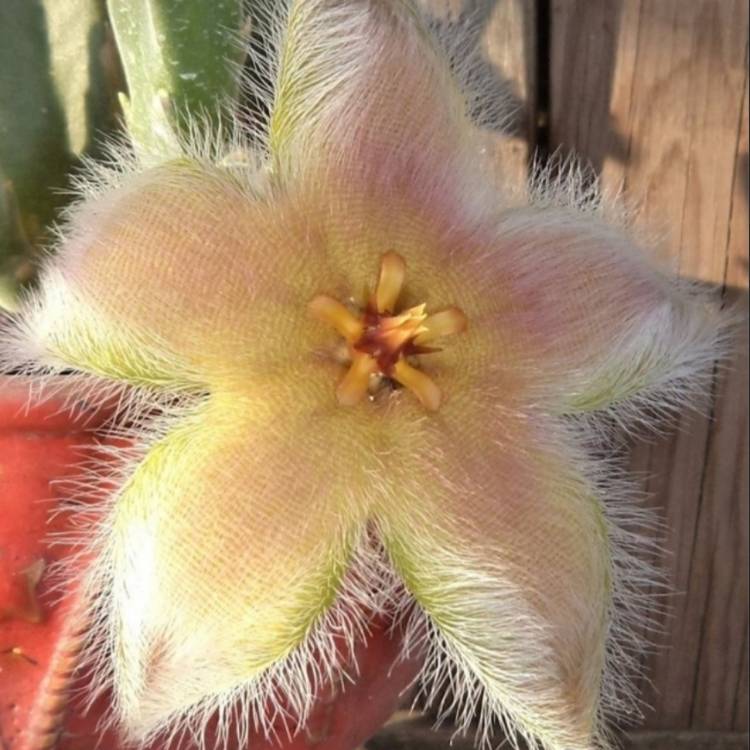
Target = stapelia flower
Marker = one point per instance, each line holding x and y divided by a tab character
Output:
376	379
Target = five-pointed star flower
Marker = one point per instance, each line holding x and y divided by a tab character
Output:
376	377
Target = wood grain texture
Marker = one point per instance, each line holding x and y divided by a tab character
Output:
723	655
651	93
500	38
418	734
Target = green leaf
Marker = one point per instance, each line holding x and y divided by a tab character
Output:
85	70
179	58
54	100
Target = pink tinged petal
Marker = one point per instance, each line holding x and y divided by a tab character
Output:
177	276
585	318
503	544
229	544
369	105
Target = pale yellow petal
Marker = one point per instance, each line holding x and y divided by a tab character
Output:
229	545
178	276
370	104
588	319
503	543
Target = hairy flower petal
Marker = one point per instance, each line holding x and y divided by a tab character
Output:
503	543
364	98
177	276
229	543
586	319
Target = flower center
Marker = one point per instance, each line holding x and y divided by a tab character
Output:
382	344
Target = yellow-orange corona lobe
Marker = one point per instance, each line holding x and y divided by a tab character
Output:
381	342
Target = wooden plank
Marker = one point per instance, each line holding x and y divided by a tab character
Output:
509	49
500	37
723	657
738	269
741	701
418	734
686	741
650	92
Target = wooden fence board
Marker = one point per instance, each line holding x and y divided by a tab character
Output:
724	656
418	734
509	45
650	91
502	35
